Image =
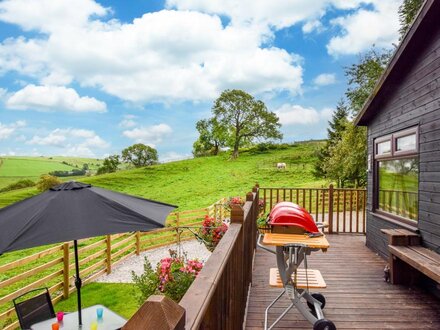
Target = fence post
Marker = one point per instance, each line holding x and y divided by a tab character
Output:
330	209
66	262
138	242
109	254
177	229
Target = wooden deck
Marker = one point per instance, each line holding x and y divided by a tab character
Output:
357	297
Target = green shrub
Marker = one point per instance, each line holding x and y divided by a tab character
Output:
47	181
18	185
172	277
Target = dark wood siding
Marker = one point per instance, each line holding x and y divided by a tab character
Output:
413	99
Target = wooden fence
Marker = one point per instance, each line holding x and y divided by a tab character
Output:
221	288
54	266
343	209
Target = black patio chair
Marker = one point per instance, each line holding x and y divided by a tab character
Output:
33	310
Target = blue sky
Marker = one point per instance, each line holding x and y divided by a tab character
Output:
89	78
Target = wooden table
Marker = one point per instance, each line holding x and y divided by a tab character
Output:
110	320
319	242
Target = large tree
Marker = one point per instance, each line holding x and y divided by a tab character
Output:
109	165
211	138
244	119
346	161
140	155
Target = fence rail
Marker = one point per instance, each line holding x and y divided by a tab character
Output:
53	267
344	209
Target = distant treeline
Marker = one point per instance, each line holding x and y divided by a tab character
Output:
74	172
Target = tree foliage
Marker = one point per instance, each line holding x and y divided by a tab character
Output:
109	165
363	76
407	12
335	130
244	119
347	161
140	155
47	181
212	137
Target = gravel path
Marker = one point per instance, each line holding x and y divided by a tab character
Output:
122	272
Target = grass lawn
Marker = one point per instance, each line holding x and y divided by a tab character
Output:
13	169
118	297
199	182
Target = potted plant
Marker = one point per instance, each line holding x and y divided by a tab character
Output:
172	277
212	231
263	225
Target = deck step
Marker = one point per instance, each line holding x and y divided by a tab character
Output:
314	277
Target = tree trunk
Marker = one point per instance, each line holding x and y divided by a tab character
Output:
215	148
235	152
236	144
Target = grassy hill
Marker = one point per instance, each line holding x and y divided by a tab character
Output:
13	169
196	183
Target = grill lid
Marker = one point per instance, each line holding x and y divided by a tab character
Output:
289	214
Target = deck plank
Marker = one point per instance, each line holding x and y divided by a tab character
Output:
357	297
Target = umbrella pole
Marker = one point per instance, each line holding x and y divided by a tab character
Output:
78	282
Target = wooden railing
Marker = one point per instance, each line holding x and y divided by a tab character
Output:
343	209
218	296
54	266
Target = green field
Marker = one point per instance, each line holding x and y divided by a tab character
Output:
190	184
197	183
13	169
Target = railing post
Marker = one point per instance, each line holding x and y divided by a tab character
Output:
158	312
237	214
66	263
330	209
138	242
109	254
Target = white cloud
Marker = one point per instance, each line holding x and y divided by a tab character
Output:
325	79
53	98
72	141
151	135
311	26
49	15
293	114
364	28
6	130
128	121
173	156
162	56
275	13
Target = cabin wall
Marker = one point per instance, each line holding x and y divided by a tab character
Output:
413	99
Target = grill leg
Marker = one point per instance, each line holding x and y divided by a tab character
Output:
280	317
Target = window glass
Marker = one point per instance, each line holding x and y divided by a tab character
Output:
383	147
398	187
406	143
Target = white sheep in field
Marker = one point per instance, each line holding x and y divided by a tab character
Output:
281	166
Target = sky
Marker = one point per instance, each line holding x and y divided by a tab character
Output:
89	78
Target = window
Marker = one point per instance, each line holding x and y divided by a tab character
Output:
397	172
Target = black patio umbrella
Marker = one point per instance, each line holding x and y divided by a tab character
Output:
72	211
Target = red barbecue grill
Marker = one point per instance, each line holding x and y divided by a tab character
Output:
289	218
295	235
